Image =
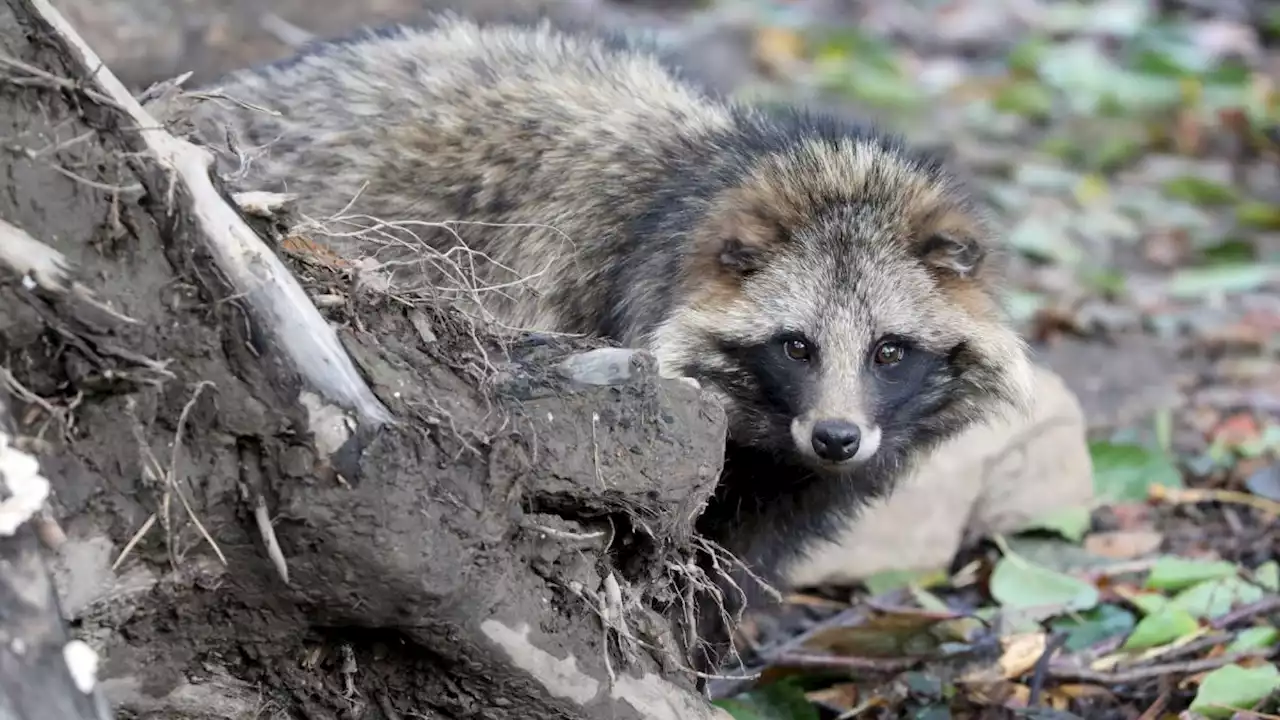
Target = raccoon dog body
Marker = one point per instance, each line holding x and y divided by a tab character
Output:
835	289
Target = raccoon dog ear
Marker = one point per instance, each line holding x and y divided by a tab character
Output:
953	254
739	257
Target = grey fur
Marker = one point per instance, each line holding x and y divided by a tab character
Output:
646	209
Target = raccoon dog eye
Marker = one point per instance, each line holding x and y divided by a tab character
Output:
890	352
796	349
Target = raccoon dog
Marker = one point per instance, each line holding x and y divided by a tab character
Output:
834	288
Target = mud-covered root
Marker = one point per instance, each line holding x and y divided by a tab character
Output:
43	672
423	504
283	311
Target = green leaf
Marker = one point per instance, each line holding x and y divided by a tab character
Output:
1114	151
1104	281
1016	583
1215	598
932	712
1231	251
1193	283
1268	575
1046	239
1175	573
1123	472
1254	638
1094	626
889	580
1149	603
1025	56
1232	687
1199	191
1160	628
779	701
1025	98
1070	522
1259	215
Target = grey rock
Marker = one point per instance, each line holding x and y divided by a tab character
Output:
607	366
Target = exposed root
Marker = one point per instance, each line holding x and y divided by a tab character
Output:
133	541
168	479
610	607
45	267
268	533
273	293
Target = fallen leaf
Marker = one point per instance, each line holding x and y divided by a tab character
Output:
1124	544
902	632
1148	603
1236	430
1069	522
782	700
843	696
1199	191
889	580
1175	573
1232	687
1167	247
1131	515
1021	653
1160	628
1215	598
1016	583
813	601
1026	98
1124	472
1263	216
778	49
1254	638
1196	283
1268	575
308	250
1265	482
1094	626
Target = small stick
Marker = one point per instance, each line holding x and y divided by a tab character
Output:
142	531
1150	672
268	533
810	661
1198	495
1041	669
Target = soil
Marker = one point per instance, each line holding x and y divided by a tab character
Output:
439	568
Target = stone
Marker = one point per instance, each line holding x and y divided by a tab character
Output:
995	478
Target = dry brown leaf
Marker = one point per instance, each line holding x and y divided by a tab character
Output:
814	601
1021	653
778	50
1123	544
843	696
309	251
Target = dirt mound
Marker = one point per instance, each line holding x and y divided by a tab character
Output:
238	546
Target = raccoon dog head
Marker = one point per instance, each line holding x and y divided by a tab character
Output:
842	299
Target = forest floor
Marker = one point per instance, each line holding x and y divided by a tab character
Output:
1132	154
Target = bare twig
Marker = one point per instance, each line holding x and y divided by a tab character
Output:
1041	668
173	470
1149	672
1265	606
810	661
1199	495
263	520
128	548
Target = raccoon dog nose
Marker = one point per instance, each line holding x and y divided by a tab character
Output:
836	440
